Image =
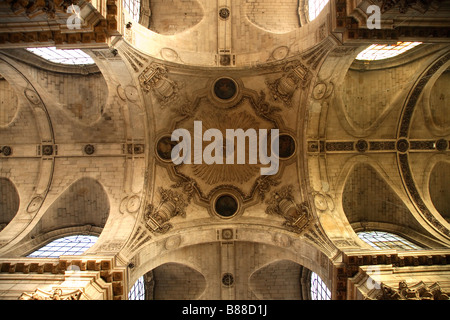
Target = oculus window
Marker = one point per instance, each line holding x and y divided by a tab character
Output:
319	290
385	240
71	245
385	51
69	56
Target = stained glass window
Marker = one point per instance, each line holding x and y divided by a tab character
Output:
71	245
63	56
319	290
137	292
384	240
133	8
385	51
315	7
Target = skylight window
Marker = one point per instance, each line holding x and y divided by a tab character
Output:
319	290
315	7
384	240
133	8
71	56
71	245
385	51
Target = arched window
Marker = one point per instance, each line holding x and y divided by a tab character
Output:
385	51
315	7
133	8
71	245
69	56
319	290
384	240
137	292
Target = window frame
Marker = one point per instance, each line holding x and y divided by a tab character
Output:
63	246
319	290
62	56
388	240
137	291
377	52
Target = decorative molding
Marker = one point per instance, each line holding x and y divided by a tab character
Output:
89	149
139	238
171	204
340	146
382	145
359	146
403	6
135	148
6	151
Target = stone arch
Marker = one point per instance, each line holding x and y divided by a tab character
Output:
80	91
370	203
82	208
177	281
200	249
280	280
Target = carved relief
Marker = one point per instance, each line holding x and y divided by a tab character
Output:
130	204
323	202
172	242
296	74
282	240
263	185
263	109
419	291
282	203
56	294
154	79
171	204
188	187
